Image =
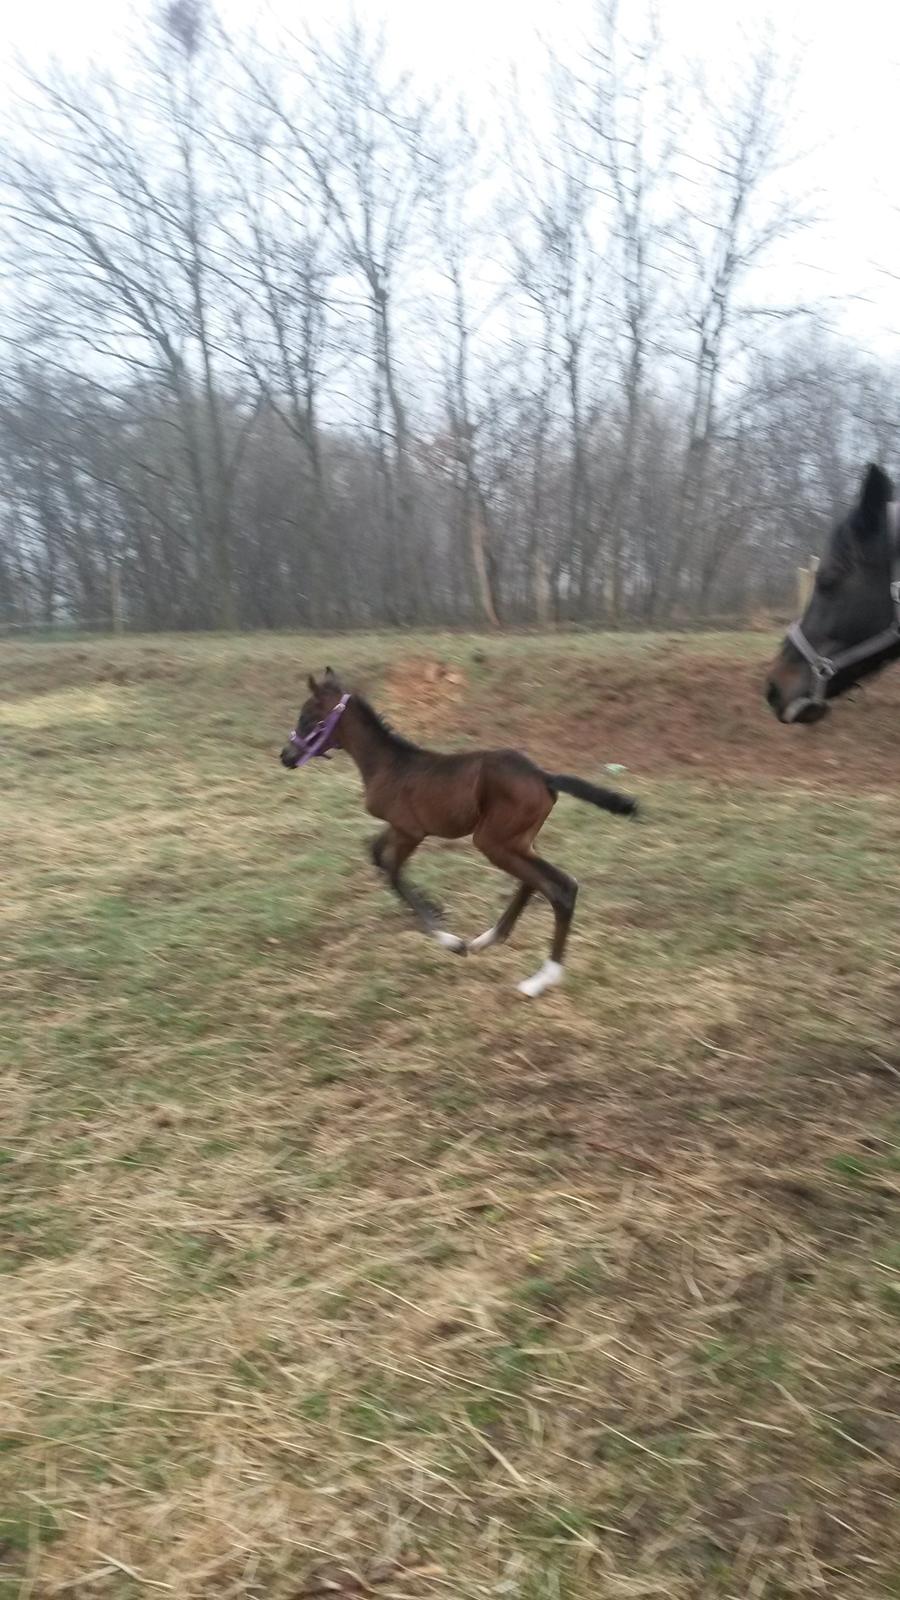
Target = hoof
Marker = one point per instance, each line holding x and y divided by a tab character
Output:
449	941
484	941
550	974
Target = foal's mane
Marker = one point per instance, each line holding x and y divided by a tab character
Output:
380	724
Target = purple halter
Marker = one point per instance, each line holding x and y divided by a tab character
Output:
320	741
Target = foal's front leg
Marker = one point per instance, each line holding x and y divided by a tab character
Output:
380	847
390	851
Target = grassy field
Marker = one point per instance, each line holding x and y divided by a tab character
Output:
331	1266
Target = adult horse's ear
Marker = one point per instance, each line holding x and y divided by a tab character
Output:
329	675
313	686
877	490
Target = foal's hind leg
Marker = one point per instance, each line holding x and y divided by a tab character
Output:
390	851
562	892
557	887
505	923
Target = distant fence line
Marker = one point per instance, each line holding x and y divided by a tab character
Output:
15	630
756	622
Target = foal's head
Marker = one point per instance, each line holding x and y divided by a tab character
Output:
323	698
851	606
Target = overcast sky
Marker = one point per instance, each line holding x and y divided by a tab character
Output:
847	101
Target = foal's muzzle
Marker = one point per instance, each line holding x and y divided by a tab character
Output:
289	756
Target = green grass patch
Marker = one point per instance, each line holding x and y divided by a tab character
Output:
322	1252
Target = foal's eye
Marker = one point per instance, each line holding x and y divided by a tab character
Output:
826	580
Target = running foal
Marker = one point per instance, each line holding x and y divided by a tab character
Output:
499	797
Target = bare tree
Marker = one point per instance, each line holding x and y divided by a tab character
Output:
739	222
364	136
632	108
549	216
281	345
456	234
116	231
281	241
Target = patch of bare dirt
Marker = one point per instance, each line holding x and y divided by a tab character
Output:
673	710
425	692
674	707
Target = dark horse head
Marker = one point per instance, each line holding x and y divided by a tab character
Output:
851	626
324	697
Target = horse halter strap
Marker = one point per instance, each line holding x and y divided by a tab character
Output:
319	742
825	667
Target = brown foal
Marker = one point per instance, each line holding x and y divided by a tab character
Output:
498	796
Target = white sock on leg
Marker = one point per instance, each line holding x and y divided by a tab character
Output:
546	977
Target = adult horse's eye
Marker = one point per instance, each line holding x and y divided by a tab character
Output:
826	580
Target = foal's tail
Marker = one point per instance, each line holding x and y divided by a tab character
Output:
621	805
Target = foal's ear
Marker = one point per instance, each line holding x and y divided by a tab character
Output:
313	686
877	490
329	676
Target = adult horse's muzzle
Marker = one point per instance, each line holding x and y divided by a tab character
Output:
801	709
793	693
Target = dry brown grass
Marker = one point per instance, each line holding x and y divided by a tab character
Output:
329	1267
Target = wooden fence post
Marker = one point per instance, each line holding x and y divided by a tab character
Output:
115	598
806	577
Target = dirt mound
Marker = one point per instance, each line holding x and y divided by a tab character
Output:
424	692
673	709
665	706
